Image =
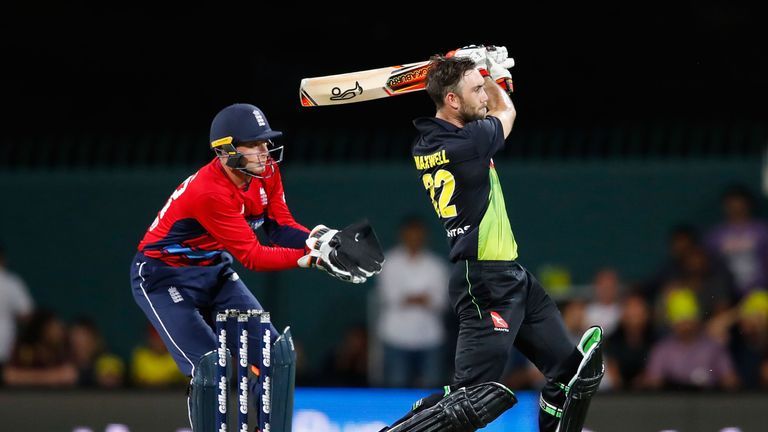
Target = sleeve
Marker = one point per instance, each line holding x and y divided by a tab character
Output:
221	217
279	224
487	136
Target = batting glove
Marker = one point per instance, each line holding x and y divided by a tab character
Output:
499	55
476	53
499	73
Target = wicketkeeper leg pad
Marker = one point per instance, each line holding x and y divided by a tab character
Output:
585	383
204	393
464	410
283	381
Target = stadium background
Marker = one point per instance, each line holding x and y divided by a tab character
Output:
630	119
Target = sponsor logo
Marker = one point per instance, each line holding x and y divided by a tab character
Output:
457	231
221	352
401	81
417	404
242	397
265	352
498	322
266	396
255	223
175	295
263	195
222	396
243	352
346	94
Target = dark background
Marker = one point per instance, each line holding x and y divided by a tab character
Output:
106	111
120	72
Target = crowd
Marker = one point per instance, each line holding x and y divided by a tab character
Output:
699	322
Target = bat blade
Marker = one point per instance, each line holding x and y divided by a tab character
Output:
363	85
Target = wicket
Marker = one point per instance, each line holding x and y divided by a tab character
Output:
242	319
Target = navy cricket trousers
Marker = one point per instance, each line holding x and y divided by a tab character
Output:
181	303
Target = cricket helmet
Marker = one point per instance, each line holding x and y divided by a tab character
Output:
240	123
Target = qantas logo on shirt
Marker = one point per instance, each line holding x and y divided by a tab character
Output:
458	231
498	322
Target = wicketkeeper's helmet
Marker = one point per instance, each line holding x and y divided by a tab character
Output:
240	123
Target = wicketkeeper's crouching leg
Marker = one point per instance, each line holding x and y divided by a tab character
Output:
563	406
462	410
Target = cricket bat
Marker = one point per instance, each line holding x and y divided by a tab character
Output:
363	85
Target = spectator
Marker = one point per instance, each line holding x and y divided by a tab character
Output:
605	308
628	348
305	377
15	306
749	340
347	365
681	240
521	373
574	316
413	299
41	355
741	240
687	358
689	263
152	365
95	366
712	283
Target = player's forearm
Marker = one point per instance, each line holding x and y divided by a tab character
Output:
264	258
284	235
500	105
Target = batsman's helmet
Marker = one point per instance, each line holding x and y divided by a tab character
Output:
240	123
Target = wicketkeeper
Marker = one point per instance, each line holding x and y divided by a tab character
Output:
182	273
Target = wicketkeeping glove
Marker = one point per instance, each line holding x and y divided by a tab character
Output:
352	254
322	255
358	249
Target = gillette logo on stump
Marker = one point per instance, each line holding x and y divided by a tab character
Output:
498	322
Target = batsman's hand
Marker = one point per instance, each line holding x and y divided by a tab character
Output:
499	71
500	55
476	53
